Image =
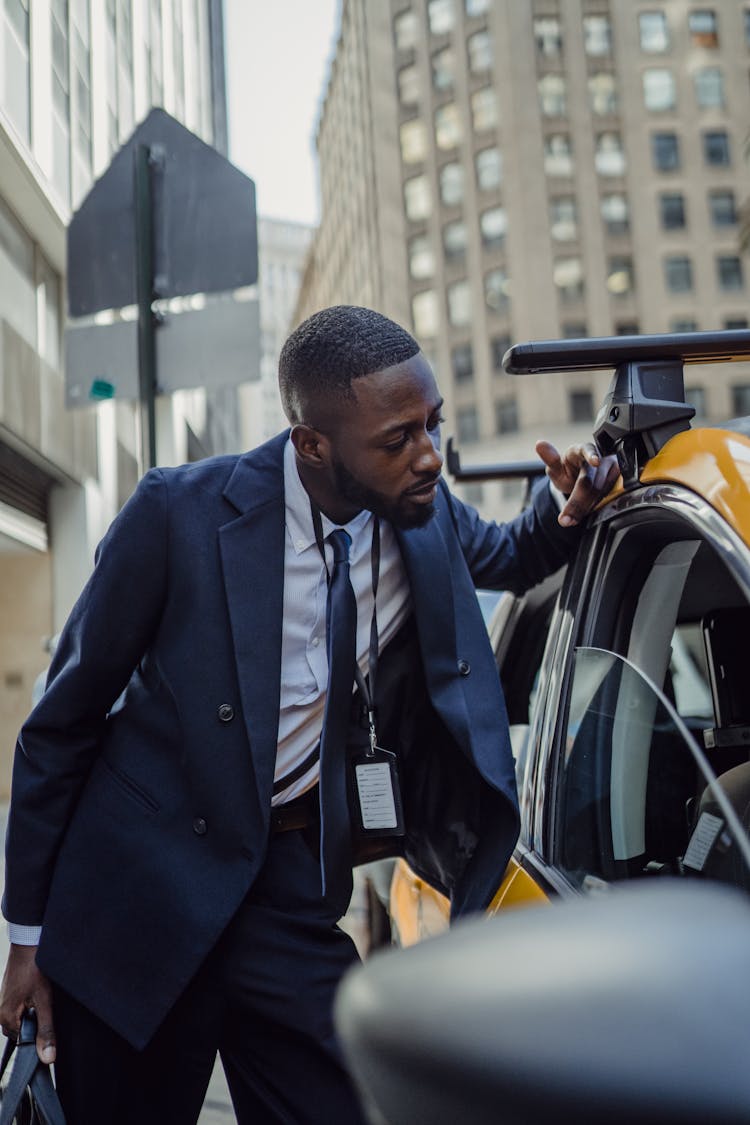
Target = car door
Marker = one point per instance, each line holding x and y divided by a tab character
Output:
645	655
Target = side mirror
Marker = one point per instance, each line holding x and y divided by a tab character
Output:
631	1006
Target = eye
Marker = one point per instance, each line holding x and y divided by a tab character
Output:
435	422
399	443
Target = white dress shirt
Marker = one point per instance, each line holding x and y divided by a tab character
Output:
304	664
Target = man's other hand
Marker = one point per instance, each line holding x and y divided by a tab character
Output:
581	474
24	986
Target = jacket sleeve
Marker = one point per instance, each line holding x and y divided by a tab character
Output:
516	555
105	637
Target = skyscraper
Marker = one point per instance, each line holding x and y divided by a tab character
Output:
502	170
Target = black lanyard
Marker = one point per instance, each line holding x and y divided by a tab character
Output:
366	686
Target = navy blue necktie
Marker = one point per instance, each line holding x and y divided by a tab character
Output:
341	645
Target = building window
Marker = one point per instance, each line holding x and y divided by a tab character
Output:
451	183
602	93
683	324
441	16
597	35
467	424
665	151
408	85
497	290
489	166
615	213
459	303
609	158
552	95
678	273
443	69
696	397
417	198
493	225
17	284
729	272
740	400
479	49
406	30
14	73
462	362
548	36
672	210
413	137
499	346
477	7
580	406
703	27
447	126
627	328
473	493
454	240
421	257
709	87
658	90
567	274
735	322
484	109
722	208
654	32
558	155
620	281
716	148
425	314
506	416
574	330
563	218
48	312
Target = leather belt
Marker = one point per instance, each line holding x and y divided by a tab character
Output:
298	813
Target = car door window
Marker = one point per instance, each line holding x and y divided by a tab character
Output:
637	795
666	598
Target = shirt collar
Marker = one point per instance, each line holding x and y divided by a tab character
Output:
299	522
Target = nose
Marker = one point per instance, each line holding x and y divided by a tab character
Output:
429	460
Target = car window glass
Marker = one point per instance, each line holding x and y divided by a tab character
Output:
637	795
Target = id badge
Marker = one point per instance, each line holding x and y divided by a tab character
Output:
377	792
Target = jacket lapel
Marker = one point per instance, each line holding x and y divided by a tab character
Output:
252	556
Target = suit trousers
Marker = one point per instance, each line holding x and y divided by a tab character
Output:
263	999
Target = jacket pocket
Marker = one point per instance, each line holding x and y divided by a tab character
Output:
132	788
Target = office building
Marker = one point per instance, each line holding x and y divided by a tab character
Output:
504	170
76	76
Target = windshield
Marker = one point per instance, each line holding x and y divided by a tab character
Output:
638	794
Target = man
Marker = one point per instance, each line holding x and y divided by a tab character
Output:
164	826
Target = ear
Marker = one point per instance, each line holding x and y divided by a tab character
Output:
311	446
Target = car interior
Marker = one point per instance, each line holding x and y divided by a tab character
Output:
656	712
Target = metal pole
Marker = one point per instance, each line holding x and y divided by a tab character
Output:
144	268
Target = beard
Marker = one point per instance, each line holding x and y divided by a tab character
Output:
401	513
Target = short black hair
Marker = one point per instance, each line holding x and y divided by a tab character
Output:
334	346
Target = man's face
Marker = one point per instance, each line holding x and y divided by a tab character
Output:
385	444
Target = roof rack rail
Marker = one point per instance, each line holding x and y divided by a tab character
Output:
645	405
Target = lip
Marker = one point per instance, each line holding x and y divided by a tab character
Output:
423	493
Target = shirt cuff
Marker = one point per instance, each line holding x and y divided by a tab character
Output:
23	935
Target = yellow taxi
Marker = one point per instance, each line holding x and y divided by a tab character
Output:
625	675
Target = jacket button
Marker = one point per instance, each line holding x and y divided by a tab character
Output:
464	667
226	712
199	826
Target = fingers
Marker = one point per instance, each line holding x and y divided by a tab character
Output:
595	478
25	987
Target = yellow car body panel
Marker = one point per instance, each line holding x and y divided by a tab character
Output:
713	463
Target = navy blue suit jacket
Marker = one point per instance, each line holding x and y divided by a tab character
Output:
142	780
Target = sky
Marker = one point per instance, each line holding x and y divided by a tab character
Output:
277	58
